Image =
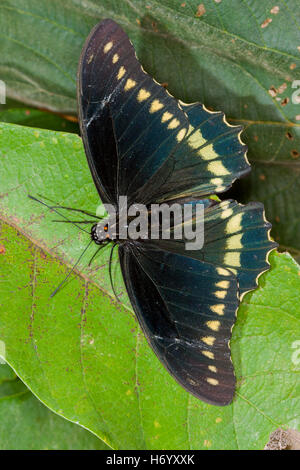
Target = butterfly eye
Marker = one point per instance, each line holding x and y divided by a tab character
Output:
106	228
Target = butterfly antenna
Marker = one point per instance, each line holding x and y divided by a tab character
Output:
74	221
110	273
69	274
56	211
58	206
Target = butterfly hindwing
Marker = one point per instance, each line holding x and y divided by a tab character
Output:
186	300
236	238
188	327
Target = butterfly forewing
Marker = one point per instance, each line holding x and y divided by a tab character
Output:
129	123
184	321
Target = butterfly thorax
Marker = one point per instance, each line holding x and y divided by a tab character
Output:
119	231
104	232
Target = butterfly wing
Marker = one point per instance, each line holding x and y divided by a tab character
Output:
186	301
210	157
173	298
236	238
129	123
139	140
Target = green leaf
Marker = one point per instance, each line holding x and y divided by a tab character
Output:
25	424
6	373
38	119
242	58
16	113
84	356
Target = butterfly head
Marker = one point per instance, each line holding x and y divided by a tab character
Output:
100	233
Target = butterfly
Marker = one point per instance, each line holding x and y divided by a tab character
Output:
144	144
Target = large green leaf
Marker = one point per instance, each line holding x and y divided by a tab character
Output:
83	355
18	113
240	57
26	424
38	119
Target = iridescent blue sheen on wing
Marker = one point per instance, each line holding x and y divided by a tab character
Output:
210	157
236	238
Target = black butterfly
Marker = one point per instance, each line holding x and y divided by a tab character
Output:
143	143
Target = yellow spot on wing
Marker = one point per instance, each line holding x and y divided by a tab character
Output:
213	325
115	58
208	354
217	168
107	47
232	259
181	135
234	224
129	84
223	272
156	105
223	284
143	95
213	369
217	181
225	204
196	140
234	242
121	72
212	381
221	294
219	186
227	213
166	116
218	309
209	340
173	124
208	153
